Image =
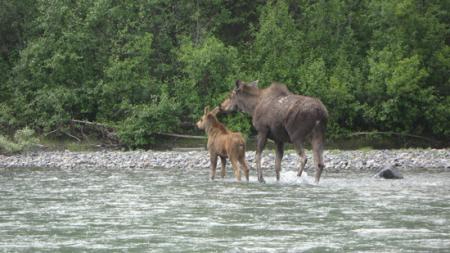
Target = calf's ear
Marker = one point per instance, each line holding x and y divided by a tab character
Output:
254	83
206	110
215	111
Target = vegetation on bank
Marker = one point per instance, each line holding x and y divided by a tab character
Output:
23	140
136	68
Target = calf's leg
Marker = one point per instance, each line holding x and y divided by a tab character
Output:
213	159
224	164
244	167
237	171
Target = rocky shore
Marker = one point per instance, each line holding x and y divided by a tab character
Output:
335	160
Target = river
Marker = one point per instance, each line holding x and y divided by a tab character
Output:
180	210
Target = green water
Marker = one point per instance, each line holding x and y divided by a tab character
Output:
179	210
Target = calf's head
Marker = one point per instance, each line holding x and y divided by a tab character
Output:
207	117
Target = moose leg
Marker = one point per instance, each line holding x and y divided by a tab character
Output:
303	160
261	143
213	158
301	152
317	146
278	156
224	164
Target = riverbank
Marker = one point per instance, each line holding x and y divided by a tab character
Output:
335	160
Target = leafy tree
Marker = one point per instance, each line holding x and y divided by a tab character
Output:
277	46
208	70
24	139
150	66
138	129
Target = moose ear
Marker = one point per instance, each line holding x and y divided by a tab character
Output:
206	110
238	84
254	83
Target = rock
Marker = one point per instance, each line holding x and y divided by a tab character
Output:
335	160
389	173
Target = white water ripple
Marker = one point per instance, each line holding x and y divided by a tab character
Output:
173	210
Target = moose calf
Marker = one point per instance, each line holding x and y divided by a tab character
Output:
224	144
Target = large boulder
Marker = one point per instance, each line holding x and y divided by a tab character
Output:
389	172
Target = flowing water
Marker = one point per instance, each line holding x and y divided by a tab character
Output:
179	210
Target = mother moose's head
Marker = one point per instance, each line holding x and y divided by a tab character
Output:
240	97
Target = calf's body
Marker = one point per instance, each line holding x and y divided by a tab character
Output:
224	144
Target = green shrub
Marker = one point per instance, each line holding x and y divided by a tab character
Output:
209	69
23	140
145	120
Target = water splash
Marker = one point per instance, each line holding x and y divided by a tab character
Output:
177	210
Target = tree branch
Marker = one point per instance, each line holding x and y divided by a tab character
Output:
183	136
393	133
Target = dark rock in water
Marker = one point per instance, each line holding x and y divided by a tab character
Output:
389	173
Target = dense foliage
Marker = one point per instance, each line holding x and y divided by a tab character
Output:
23	140
151	66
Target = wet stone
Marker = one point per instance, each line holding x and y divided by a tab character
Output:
335	160
389	172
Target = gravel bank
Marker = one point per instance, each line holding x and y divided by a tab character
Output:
335	160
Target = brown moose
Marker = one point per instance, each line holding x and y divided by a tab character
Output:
282	116
224	144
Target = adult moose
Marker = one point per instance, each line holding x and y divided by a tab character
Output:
282	116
